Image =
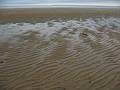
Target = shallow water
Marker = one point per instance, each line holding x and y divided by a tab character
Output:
71	54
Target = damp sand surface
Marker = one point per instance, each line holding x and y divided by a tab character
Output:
71	54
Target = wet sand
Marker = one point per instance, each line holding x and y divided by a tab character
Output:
76	53
26	14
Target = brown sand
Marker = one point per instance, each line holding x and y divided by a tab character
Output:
80	53
37	13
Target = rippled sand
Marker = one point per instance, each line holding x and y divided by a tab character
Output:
73	54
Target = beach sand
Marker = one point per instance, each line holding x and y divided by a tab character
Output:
78	49
26	14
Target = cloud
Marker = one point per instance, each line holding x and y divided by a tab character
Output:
54	1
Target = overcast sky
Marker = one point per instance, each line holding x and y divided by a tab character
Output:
53	1
87	2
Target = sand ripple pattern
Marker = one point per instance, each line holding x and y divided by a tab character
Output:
76	54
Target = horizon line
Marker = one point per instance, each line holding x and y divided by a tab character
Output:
59	5
96	4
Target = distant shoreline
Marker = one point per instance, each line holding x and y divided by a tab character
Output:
9	6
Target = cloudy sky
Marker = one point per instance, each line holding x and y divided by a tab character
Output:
109	2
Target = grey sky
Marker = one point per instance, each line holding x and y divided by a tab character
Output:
53	1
